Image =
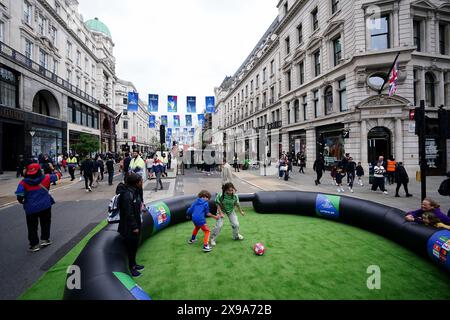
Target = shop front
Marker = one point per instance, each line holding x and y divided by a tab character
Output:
28	134
297	142
330	144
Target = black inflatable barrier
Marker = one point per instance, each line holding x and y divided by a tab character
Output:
103	262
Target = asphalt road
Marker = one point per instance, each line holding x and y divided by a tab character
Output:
74	215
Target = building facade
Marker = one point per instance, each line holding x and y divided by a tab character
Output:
57	75
314	82
133	127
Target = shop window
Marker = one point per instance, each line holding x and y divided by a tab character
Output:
430	89
329	100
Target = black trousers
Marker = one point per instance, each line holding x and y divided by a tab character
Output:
131	244
319	175
378	182
110	177
72	172
301	169
90	178
405	186
351	179
44	217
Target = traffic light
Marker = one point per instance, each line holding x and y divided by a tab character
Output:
444	122
419	116
162	134
411	114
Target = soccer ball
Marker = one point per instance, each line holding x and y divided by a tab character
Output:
259	249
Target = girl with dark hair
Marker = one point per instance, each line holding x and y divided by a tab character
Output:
131	206
226	202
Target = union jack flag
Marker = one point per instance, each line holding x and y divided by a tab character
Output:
393	77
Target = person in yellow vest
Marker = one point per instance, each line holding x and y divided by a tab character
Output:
72	163
390	170
137	165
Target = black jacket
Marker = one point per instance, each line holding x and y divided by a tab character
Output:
130	202
401	176
87	167
351	167
110	165
319	165
126	164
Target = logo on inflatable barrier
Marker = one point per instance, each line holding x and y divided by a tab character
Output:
439	247
161	216
328	206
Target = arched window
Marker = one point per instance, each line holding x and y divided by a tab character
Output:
430	89
40	105
329	100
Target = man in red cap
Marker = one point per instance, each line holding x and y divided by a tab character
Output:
33	193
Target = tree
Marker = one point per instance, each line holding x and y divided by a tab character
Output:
86	145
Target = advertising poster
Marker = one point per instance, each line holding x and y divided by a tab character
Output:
172	104
328	206
176	121
209	104
152	103
191	104
133	101
188	120
152	122
164	121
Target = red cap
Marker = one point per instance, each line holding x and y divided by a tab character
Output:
33	169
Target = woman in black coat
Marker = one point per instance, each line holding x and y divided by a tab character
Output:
401	178
131	206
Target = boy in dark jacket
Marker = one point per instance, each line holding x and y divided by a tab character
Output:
131	206
198	212
110	169
33	193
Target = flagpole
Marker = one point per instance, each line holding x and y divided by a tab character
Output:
389	73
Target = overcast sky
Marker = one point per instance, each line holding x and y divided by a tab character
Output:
181	47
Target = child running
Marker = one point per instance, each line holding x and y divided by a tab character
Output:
226	202
359	173
340	174
198	211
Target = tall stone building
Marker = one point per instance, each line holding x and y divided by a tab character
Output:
57	76
317	72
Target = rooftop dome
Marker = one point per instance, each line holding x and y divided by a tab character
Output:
98	26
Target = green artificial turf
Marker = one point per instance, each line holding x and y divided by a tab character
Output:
306	258
51	285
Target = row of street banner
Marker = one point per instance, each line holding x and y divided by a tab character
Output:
176	120
172	103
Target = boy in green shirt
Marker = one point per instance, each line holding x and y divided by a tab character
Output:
226	202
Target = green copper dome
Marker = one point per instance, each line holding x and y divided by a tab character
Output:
98	26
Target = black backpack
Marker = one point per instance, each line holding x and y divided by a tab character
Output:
444	188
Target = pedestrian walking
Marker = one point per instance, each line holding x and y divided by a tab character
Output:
149	166
401	178
96	172
351	168
87	170
333	173
158	168
390	169
110	169
64	163
126	165
236	163
343	164
137	165
227	174
319	168
33	193
131	207
360	173
340	174
72	163
379	172
101	165
302	163
20	166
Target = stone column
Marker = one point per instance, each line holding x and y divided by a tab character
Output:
292	108
364	149
395	25
399	140
336	106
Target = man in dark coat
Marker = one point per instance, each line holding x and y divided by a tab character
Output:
87	171
319	168
401	178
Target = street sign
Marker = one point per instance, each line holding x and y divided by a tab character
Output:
32	133
133	139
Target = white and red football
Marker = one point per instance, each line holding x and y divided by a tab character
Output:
259	249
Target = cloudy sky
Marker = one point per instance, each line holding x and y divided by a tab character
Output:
181	47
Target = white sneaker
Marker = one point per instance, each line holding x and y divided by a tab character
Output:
240	237
339	190
351	190
342	190
385	192
212	242
87	190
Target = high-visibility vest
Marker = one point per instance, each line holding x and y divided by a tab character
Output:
391	166
72	160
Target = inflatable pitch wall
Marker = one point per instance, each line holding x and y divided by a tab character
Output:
104	266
